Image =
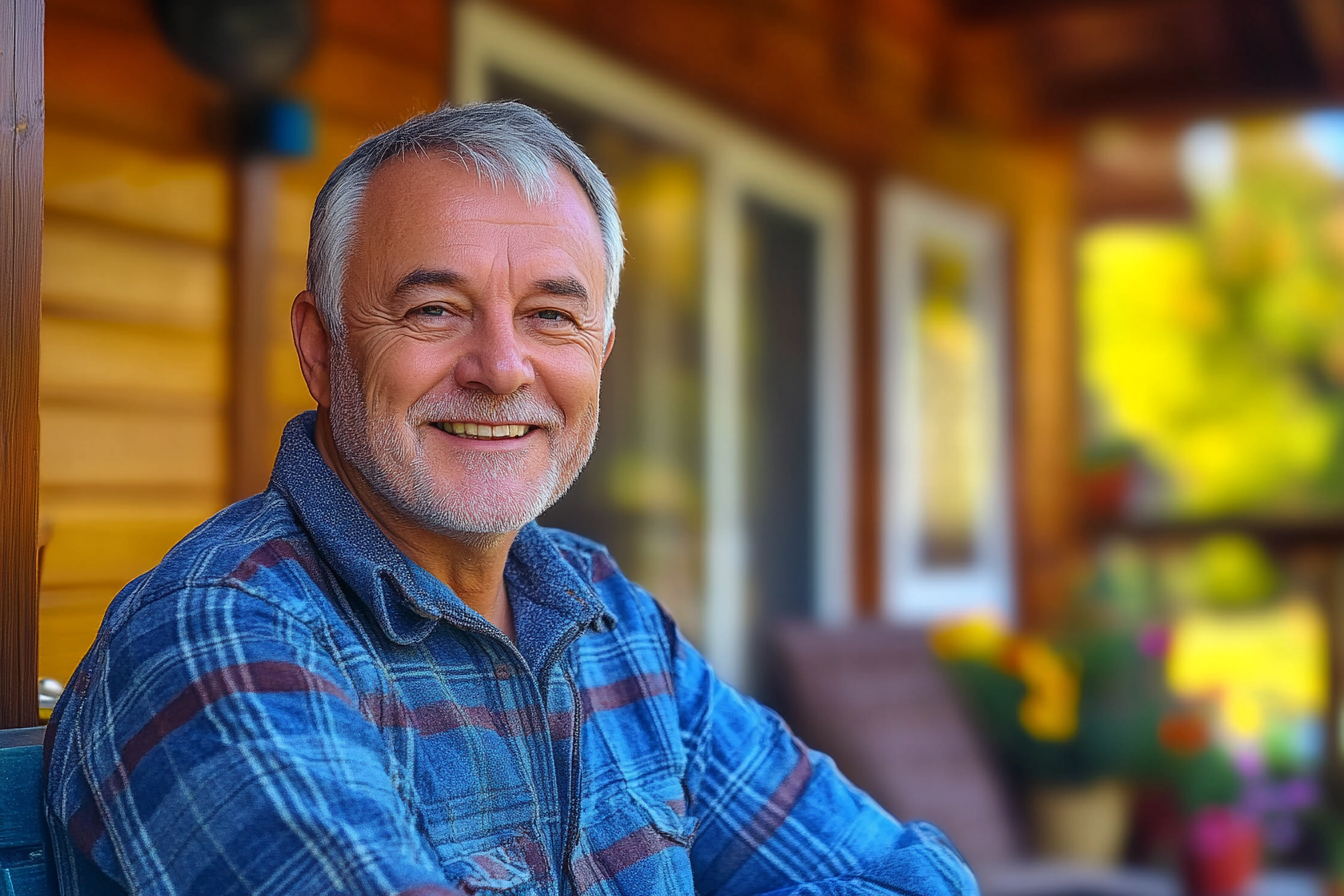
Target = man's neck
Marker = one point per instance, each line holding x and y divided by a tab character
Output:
471	565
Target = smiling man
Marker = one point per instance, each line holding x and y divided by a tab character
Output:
380	676
458	398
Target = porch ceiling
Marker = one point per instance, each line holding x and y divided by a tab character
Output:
1105	56
859	78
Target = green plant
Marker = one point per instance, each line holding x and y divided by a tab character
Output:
1082	707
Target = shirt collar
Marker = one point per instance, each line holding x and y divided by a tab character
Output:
549	596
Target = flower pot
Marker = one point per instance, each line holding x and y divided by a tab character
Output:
1220	853
1084	823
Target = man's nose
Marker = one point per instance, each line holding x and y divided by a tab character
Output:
496	359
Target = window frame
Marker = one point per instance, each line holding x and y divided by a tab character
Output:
739	163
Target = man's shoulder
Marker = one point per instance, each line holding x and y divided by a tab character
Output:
256	545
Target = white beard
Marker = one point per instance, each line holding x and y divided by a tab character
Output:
491	497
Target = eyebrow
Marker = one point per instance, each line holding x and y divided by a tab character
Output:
563	286
423	277
557	286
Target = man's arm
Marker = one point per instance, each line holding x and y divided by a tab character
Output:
212	746
776	818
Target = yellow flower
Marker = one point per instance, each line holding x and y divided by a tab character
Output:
977	637
1049	711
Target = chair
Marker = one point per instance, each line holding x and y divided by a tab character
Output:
874	697
24	865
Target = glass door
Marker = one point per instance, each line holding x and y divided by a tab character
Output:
721	478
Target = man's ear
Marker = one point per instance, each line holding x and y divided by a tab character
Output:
611	342
313	344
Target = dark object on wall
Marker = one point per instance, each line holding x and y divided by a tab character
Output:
251	46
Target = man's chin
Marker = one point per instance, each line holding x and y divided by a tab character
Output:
486	515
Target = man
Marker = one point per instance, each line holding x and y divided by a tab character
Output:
380	675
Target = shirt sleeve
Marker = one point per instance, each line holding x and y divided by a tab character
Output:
213	747
777	819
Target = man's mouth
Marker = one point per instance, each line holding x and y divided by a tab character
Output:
483	430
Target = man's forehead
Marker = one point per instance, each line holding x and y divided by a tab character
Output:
408	187
421	200
447	175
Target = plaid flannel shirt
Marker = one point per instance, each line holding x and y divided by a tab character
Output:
289	705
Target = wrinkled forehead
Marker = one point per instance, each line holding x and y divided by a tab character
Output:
416	210
436	185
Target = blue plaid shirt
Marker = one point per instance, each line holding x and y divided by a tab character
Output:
288	705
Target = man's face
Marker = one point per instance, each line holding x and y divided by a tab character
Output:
465	391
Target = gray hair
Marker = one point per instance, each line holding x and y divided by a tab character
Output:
507	143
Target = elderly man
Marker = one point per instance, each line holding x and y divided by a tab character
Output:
380	675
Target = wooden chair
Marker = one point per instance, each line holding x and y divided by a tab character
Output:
25	868
875	699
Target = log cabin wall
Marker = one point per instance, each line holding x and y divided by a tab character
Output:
136	381
135	376
133	380
895	88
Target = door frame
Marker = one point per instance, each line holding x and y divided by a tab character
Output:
739	163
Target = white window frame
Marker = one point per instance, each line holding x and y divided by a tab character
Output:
738	163
911	591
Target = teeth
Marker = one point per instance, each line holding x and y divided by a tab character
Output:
485	430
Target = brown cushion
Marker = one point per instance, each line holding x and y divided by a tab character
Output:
874	697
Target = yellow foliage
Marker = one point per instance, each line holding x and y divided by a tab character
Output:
1254	665
1230	428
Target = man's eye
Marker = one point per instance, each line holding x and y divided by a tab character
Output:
433	311
552	314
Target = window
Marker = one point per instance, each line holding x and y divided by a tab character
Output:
721	477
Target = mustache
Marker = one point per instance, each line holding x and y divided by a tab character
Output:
479	407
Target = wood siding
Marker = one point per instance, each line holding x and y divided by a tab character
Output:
138	276
139	373
886	89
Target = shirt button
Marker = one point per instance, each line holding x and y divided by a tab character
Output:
502	671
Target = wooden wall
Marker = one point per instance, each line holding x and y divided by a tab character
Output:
136	280
136	377
885	88
134	284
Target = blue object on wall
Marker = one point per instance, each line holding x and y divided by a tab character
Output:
276	127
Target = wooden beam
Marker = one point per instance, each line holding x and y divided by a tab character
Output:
866	371
21	124
1323	22
251	454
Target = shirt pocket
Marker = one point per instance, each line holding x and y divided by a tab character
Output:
638	842
487	841
503	864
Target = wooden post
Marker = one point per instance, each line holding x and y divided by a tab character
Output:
866	371
1332	605
251	453
21	128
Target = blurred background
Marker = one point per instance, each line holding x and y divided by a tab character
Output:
1017	322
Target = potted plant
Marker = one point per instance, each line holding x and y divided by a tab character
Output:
1072	720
